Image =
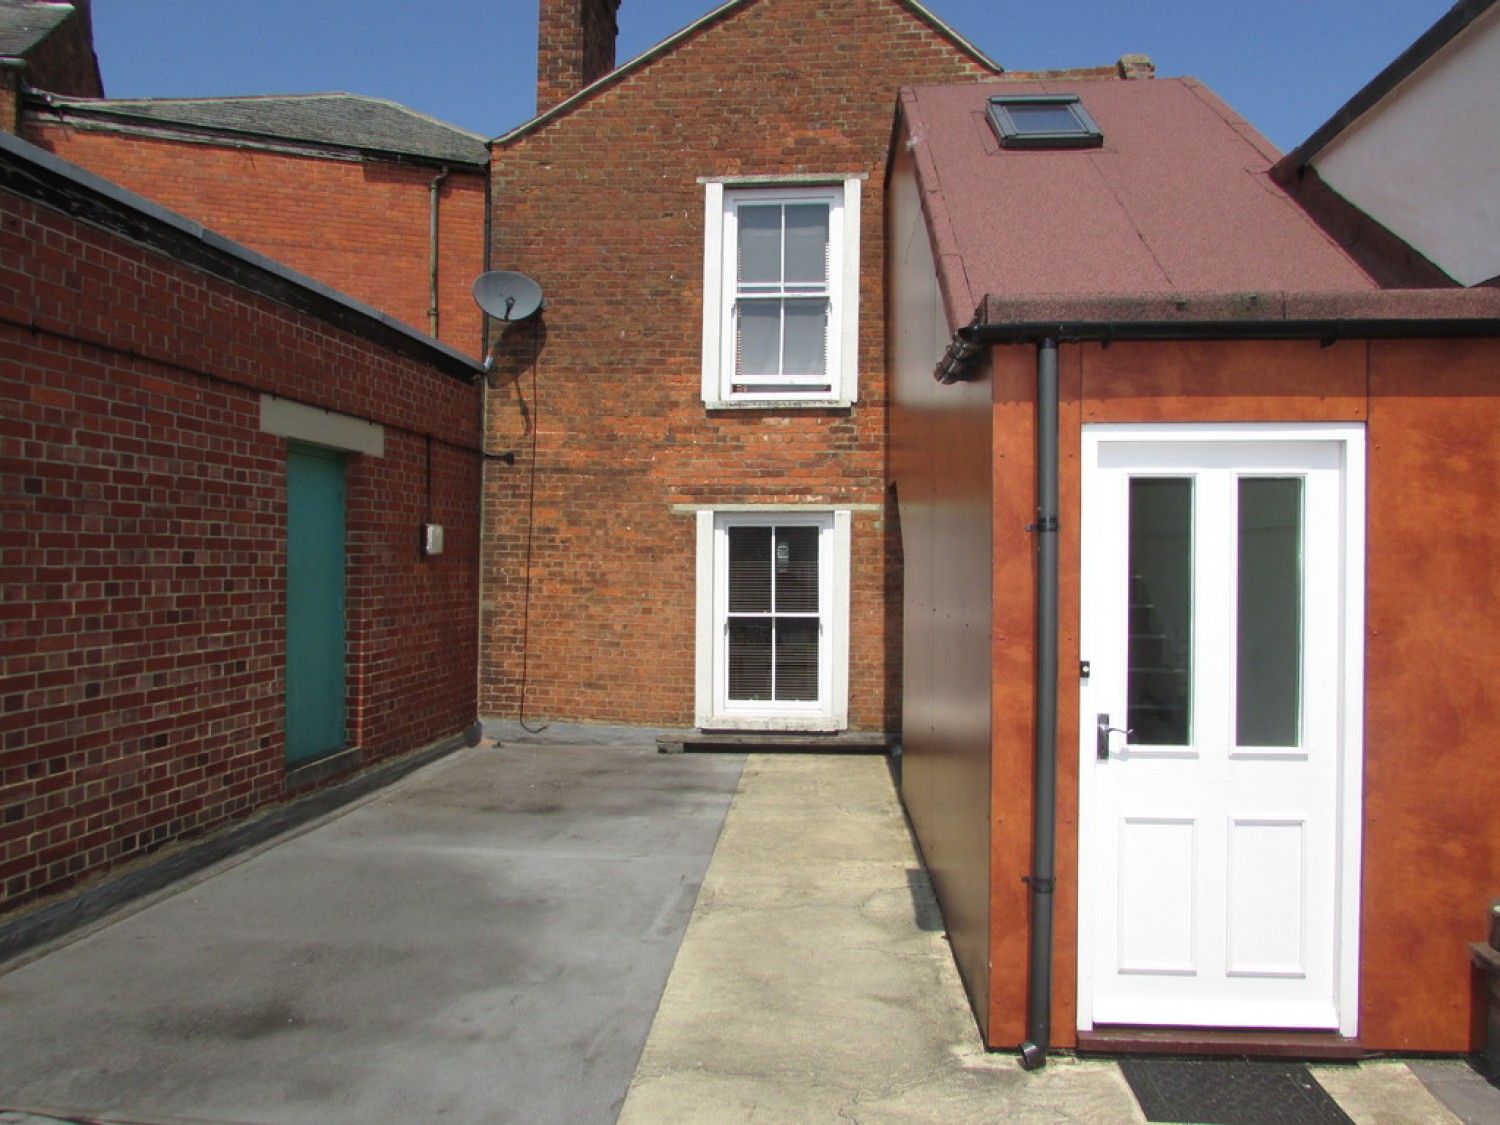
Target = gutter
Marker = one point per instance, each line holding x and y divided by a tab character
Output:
970	342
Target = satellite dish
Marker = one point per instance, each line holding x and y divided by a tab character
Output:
507	296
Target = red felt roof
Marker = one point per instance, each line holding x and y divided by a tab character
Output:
1178	199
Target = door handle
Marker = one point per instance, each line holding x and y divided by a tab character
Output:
1102	731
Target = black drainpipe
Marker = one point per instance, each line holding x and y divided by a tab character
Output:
1042	879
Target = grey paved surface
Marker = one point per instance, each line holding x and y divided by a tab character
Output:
491	939
484	942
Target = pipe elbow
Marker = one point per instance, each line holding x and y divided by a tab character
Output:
1033	1057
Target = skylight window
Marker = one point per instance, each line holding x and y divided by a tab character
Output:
1043	121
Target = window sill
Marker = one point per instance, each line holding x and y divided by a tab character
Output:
784	724
780	404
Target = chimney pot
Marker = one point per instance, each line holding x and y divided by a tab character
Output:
1136	66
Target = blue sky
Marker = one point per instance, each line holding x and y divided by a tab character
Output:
1286	65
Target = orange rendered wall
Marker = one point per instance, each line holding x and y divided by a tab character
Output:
1432	708
1431	843
361	227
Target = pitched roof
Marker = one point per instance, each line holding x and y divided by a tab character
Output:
719	15
1178	198
336	120
25	23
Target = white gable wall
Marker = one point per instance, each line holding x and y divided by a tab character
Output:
1424	162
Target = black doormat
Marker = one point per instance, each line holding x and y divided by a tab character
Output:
1230	1092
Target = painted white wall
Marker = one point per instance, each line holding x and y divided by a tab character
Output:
1425	161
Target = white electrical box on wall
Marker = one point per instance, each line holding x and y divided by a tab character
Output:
432	539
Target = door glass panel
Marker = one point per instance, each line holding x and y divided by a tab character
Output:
1268	677
1160	657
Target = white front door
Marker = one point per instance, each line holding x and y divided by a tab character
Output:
1220	744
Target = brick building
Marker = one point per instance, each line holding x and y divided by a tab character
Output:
382	203
215	476
698	532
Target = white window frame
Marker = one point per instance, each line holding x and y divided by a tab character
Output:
721	200
714	710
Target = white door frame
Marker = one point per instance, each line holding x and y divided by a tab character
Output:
1095	588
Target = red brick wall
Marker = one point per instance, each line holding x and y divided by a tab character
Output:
142	533
362	228
8	122
604	208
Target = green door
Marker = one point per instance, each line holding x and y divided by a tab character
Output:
315	679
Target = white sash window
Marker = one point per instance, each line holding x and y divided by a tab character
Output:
780	294
773	612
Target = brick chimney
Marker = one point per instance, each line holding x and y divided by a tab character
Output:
575	46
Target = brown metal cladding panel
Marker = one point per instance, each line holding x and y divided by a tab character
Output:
1431	845
1432	838
1065	968
1012	679
1234	380
944	479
